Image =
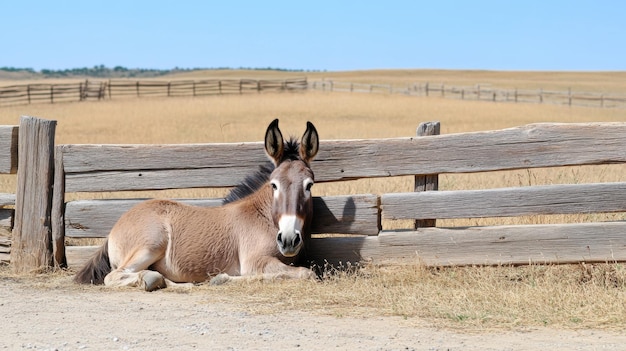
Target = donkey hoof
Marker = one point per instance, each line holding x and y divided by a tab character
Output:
220	279
151	281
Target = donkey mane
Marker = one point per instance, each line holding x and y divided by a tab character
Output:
254	182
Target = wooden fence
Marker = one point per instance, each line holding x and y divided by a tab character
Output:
103	168
98	90
481	93
8	165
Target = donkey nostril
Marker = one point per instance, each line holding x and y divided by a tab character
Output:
296	240
279	238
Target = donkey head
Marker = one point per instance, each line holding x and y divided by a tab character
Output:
291	182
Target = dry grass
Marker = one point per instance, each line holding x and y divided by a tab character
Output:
569	296
468	298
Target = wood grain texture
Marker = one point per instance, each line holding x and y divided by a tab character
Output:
57	214
8	148
132	167
507	202
523	244
7	199
429	182
351	214
568	243
31	246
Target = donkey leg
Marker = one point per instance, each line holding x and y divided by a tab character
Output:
180	286
146	279
273	270
134	272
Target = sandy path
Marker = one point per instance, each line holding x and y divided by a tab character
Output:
92	319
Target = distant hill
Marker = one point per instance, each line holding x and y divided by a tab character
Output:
102	71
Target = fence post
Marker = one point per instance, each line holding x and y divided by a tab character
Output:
426	89
32	247
602	100
137	84
109	86
569	95
58	210
52	94
430	181
168	88
28	92
194	88
102	90
541	95
515	94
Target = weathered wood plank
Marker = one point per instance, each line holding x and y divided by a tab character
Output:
95	218
506	202
8	149
31	247
352	214
156	179
5	245
523	244
7	199
131	167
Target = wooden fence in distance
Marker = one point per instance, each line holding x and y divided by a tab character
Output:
98	90
101	168
480	93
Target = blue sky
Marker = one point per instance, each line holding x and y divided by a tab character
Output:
315	35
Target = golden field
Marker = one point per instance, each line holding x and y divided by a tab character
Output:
571	296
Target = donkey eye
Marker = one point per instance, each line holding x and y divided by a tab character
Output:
308	183
274	186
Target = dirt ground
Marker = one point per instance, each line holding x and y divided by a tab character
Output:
36	317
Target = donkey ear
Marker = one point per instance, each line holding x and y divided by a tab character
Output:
310	143
274	142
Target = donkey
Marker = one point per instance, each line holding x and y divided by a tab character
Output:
260	231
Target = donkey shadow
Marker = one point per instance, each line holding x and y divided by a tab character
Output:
332	251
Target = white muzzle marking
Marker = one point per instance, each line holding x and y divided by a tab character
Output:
289	237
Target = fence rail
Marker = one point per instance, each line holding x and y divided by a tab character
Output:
98	90
480	93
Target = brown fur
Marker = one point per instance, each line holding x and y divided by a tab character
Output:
191	244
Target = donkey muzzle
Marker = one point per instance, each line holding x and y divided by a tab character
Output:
289	237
